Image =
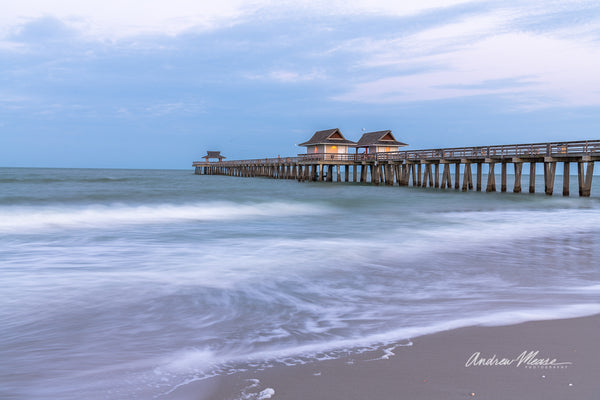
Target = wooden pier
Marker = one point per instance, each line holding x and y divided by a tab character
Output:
422	167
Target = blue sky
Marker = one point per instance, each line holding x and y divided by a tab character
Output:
113	84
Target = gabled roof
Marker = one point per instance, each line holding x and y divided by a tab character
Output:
329	136
213	154
379	138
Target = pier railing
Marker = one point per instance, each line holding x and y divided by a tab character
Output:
256	161
526	151
560	149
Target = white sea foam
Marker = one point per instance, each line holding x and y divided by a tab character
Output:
295	355
186	361
266	394
250	391
31	219
458	230
389	352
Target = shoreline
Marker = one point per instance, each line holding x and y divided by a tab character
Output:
507	362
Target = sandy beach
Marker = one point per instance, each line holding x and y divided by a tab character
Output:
548	360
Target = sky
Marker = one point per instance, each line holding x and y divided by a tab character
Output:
155	84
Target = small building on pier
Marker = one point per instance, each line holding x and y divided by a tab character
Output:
330	141
379	142
213	155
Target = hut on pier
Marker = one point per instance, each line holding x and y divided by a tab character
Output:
330	141
380	141
213	155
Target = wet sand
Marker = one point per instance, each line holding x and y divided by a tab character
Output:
434	367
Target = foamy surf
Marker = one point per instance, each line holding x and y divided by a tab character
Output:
387	342
30	219
327	350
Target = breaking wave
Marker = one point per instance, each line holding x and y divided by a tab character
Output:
29	219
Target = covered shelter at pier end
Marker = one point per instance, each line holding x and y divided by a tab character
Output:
330	141
213	155
379	142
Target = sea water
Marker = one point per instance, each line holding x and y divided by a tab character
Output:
123	284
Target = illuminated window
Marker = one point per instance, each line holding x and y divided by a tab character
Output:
334	149
387	149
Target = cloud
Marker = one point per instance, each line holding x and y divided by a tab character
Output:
11	102
114	19
385	52
175	108
287	76
41	30
12	47
485	54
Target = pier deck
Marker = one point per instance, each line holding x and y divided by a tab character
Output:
422	167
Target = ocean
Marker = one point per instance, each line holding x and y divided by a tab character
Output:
129	284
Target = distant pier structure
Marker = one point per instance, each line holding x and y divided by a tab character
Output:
328	158
213	155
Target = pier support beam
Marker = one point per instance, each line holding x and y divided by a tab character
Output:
479	173
427	176
446	180
549	171
467	178
566	176
532	177
374	177
585	178
389	174
503	183
405	174
491	181
518	168
457	176
437	175
431	182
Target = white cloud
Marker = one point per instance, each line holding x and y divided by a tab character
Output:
110	19
287	76
483	55
180	107
9	46
9	101
115	19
